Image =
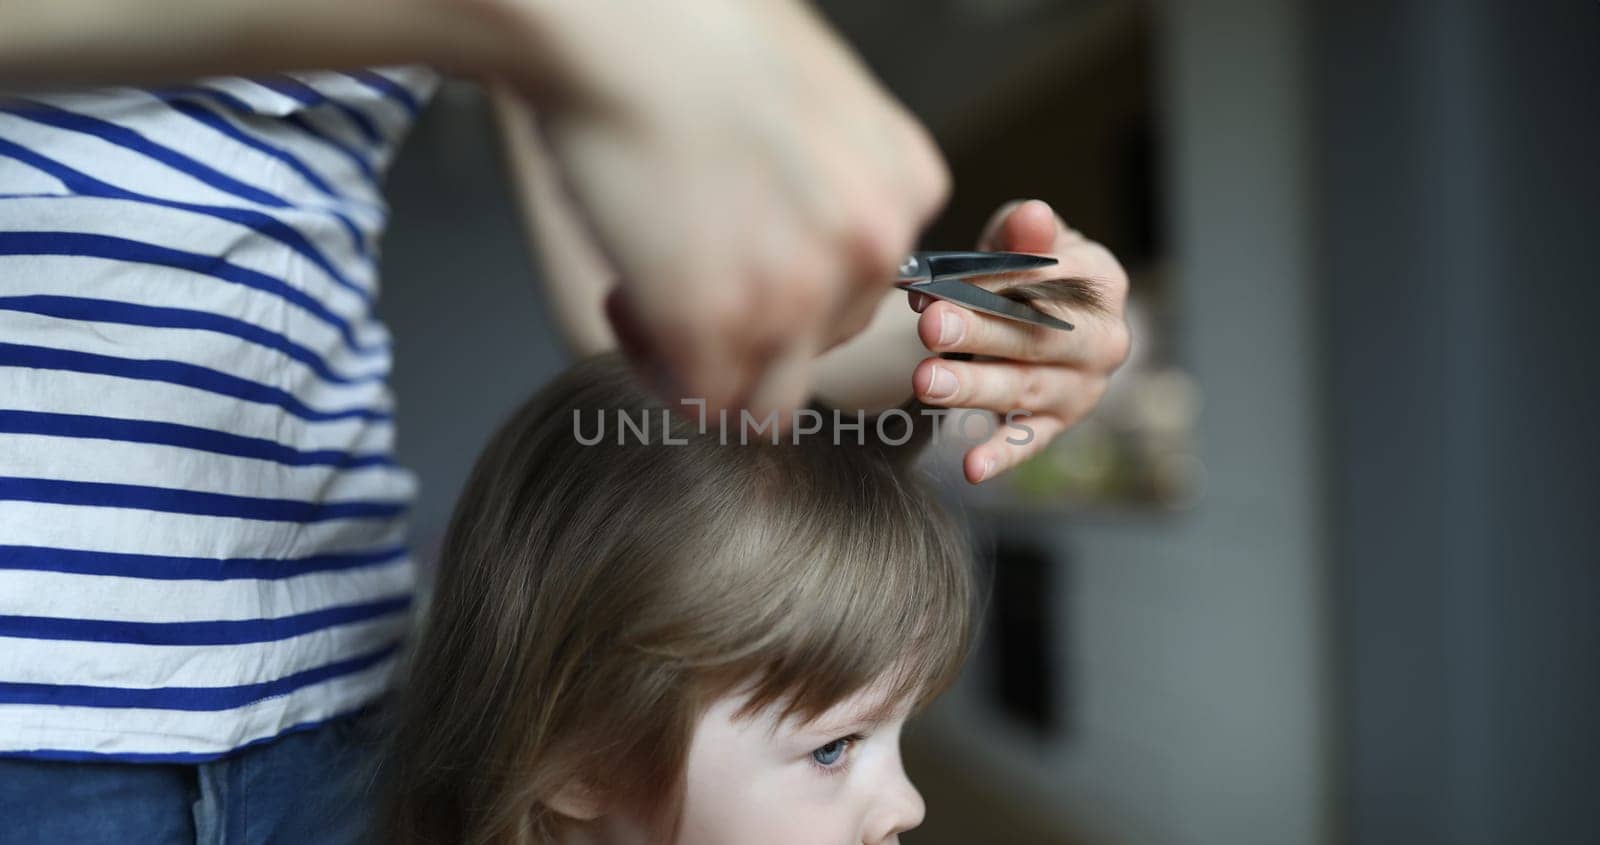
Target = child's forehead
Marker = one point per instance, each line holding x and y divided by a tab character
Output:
881	702
869	707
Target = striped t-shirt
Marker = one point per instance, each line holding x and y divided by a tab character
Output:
201	525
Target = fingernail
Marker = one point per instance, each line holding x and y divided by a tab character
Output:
942	383
988	469
951	328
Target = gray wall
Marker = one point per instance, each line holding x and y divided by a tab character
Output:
1462	193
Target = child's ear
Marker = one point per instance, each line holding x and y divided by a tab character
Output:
577	800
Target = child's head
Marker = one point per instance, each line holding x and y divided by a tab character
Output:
717	640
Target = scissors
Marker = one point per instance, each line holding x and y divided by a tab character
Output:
939	275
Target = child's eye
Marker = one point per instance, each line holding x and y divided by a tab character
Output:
828	756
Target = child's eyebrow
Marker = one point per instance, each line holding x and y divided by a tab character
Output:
1078	293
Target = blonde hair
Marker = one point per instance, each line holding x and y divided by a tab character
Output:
592	600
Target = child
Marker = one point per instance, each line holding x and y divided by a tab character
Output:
680	640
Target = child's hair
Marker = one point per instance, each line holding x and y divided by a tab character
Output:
593	599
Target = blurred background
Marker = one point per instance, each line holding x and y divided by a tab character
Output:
1325	566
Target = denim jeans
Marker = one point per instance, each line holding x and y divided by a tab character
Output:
313	786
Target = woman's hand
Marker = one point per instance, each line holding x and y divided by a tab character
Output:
1054	378
752	185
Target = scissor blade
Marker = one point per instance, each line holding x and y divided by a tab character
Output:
960	265
927	266
979	299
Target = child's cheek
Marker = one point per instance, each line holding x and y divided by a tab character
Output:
781	804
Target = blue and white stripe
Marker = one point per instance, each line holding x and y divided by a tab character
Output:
202	538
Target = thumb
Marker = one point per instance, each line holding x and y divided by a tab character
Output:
1021	226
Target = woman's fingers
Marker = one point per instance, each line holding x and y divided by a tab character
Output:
1087	287
947	327
1004	386
1040	381
1011	444
1094	342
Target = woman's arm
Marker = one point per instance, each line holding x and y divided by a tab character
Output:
77	42
576	276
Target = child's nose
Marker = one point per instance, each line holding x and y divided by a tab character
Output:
900	808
